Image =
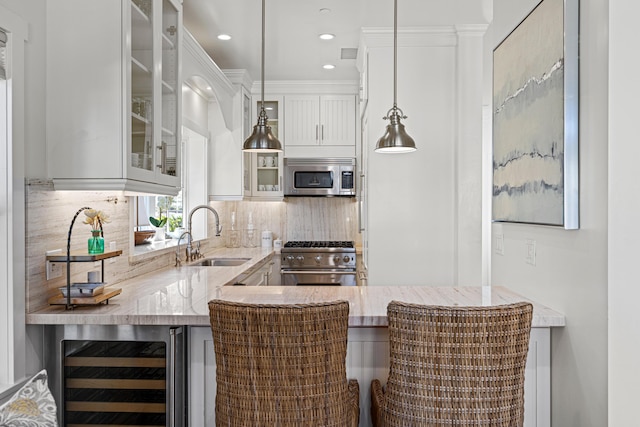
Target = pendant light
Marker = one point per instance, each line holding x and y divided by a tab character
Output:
395	139
262	139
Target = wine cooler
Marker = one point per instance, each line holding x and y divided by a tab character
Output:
119	375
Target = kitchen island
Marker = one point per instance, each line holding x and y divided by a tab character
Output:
179	296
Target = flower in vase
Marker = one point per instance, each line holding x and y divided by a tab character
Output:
95	218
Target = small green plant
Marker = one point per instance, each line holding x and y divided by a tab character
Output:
158	222
175	222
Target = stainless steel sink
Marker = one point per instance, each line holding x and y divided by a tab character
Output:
220	262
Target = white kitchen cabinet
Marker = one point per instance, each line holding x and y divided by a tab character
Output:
367	358
263	176
114	95
262	172
226	157
320	120
259	275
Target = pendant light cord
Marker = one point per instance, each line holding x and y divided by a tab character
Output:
395	52
262	69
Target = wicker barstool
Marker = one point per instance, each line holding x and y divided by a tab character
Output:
454	366
282	365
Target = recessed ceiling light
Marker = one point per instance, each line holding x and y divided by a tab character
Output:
325	10
326	36
224	37
328	66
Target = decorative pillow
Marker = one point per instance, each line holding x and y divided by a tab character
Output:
31	406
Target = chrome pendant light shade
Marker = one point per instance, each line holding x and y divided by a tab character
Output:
262	139
395	139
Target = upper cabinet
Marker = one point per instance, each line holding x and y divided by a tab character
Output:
320	121
114	95
262	175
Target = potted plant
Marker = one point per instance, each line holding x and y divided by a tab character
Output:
158	224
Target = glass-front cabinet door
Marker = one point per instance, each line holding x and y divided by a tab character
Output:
142	99
263	175
170	90
263	171
155	90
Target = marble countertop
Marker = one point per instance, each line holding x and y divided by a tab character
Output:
179	296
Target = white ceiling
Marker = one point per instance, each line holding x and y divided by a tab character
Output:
293	49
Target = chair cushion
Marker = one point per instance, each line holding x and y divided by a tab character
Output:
31	406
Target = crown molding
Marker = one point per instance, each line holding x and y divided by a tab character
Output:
213	73
372	37
239	76
349	87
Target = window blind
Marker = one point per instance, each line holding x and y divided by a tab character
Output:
3	55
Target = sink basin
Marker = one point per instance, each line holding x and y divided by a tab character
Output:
221	262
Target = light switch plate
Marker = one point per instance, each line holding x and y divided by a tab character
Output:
530	254
499	248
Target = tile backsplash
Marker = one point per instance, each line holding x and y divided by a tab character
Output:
49	214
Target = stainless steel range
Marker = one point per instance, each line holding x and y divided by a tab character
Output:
318	263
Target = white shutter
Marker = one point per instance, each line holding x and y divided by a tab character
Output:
3	55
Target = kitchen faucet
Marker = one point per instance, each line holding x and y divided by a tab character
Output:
178	248
195	253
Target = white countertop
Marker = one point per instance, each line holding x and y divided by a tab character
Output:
179	296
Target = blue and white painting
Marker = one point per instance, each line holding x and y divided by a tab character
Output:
528	120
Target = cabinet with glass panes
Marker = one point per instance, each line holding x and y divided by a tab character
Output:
115	106
263	170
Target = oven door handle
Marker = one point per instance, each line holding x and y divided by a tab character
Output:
352	272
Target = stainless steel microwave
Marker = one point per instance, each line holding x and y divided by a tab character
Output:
320	177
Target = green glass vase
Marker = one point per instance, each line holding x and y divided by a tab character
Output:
95	244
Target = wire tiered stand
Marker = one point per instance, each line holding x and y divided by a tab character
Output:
69	301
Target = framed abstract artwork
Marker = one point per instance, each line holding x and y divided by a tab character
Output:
535	119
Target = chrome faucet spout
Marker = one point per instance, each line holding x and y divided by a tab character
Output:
188	247
218	228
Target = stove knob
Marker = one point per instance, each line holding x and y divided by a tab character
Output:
290	258
318	258
300	258
336	259
346	258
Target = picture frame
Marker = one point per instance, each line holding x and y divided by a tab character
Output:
536	119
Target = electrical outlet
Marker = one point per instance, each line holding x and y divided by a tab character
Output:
530	254
54	270
499	248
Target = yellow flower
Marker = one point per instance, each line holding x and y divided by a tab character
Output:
95	218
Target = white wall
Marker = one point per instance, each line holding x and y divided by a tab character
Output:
22	351
570	274
33	11
424	208
412	196
624	233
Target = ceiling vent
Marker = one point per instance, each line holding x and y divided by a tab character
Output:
349	53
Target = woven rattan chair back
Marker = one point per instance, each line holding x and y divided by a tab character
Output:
454	366
282	365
